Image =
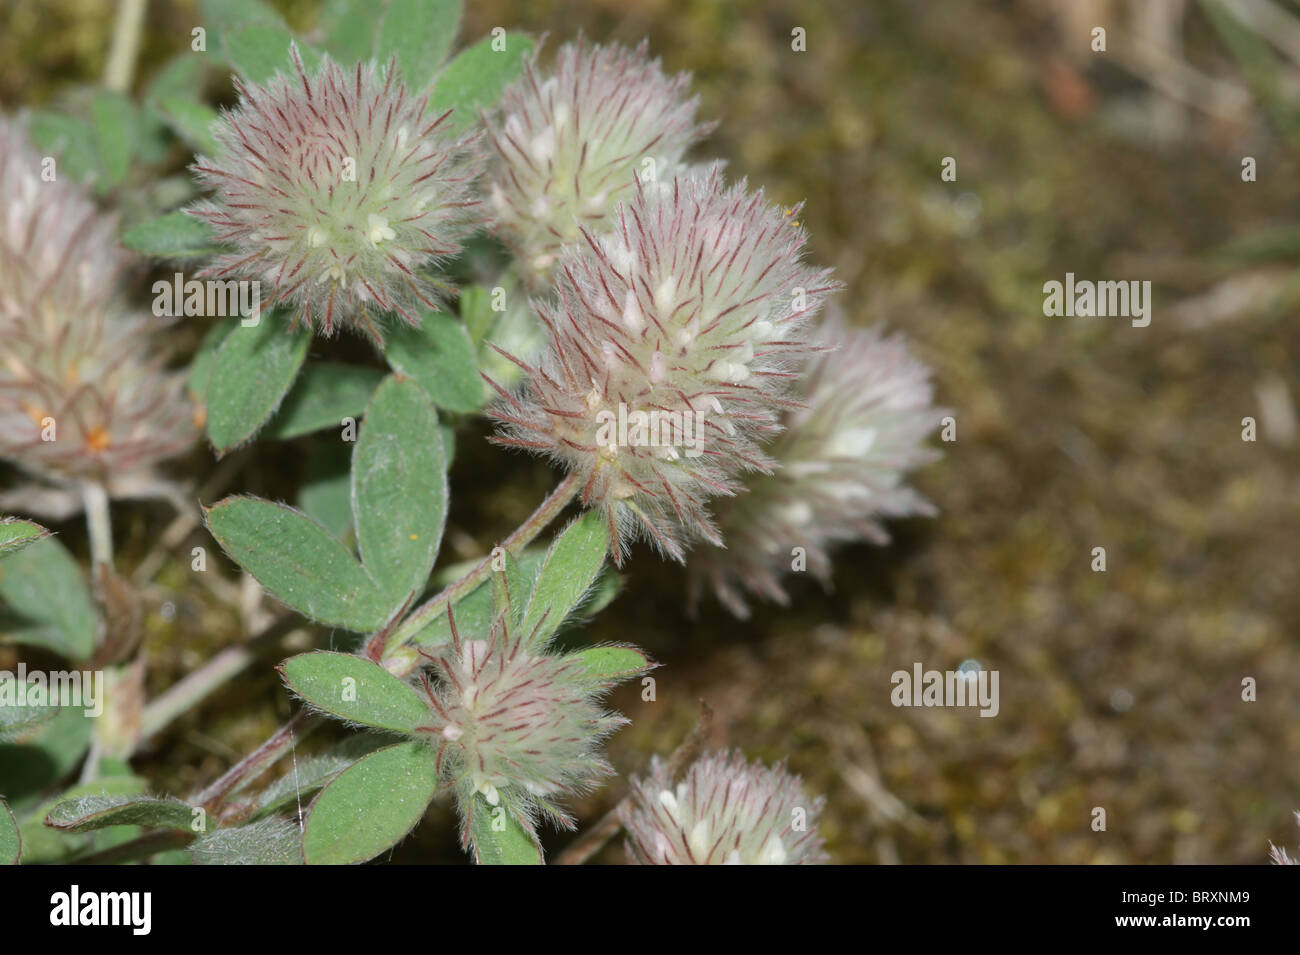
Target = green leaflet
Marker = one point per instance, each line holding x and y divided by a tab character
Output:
477	76
324	394
355	689
570	568
172	236
440	357
99	811
253	369
399	489
419	33
498	838
16	533
298	562
370	806
47	603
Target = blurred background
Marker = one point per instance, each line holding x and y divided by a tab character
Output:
1120	690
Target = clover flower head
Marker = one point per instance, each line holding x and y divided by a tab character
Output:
673	341
841	462
569	146
517	724
724	812
1279	855
336	190
82	392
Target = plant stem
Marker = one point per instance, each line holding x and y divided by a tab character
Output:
523	535
125	45
99	528
98	524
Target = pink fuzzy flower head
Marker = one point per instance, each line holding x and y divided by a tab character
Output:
569	146
82	390
674	339
335	190
841	462
724	812
518	725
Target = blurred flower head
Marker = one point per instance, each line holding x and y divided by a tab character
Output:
569	146
674	339
336	190
841	462
724	812
1279	855
82	393
516	724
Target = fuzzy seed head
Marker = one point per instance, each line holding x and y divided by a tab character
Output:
521	726
569	146
82	391
724	812
673	342
841	462
335	190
